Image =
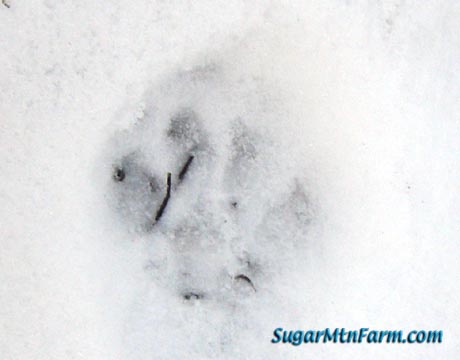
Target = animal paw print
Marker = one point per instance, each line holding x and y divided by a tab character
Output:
195	173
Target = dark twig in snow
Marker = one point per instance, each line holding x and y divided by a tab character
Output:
181	176
165	200
245	278
185	167
4	2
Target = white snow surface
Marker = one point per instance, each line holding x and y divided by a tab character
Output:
326	142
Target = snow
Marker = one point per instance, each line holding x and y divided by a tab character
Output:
333	126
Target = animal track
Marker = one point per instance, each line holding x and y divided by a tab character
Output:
195	173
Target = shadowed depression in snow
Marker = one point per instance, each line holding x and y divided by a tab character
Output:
194	173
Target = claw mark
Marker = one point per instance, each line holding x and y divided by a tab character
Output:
192	295
185	167
119	174
245	278
165	200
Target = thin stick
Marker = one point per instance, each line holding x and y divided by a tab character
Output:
185	167
165	200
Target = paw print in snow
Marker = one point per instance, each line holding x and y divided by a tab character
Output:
199	174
